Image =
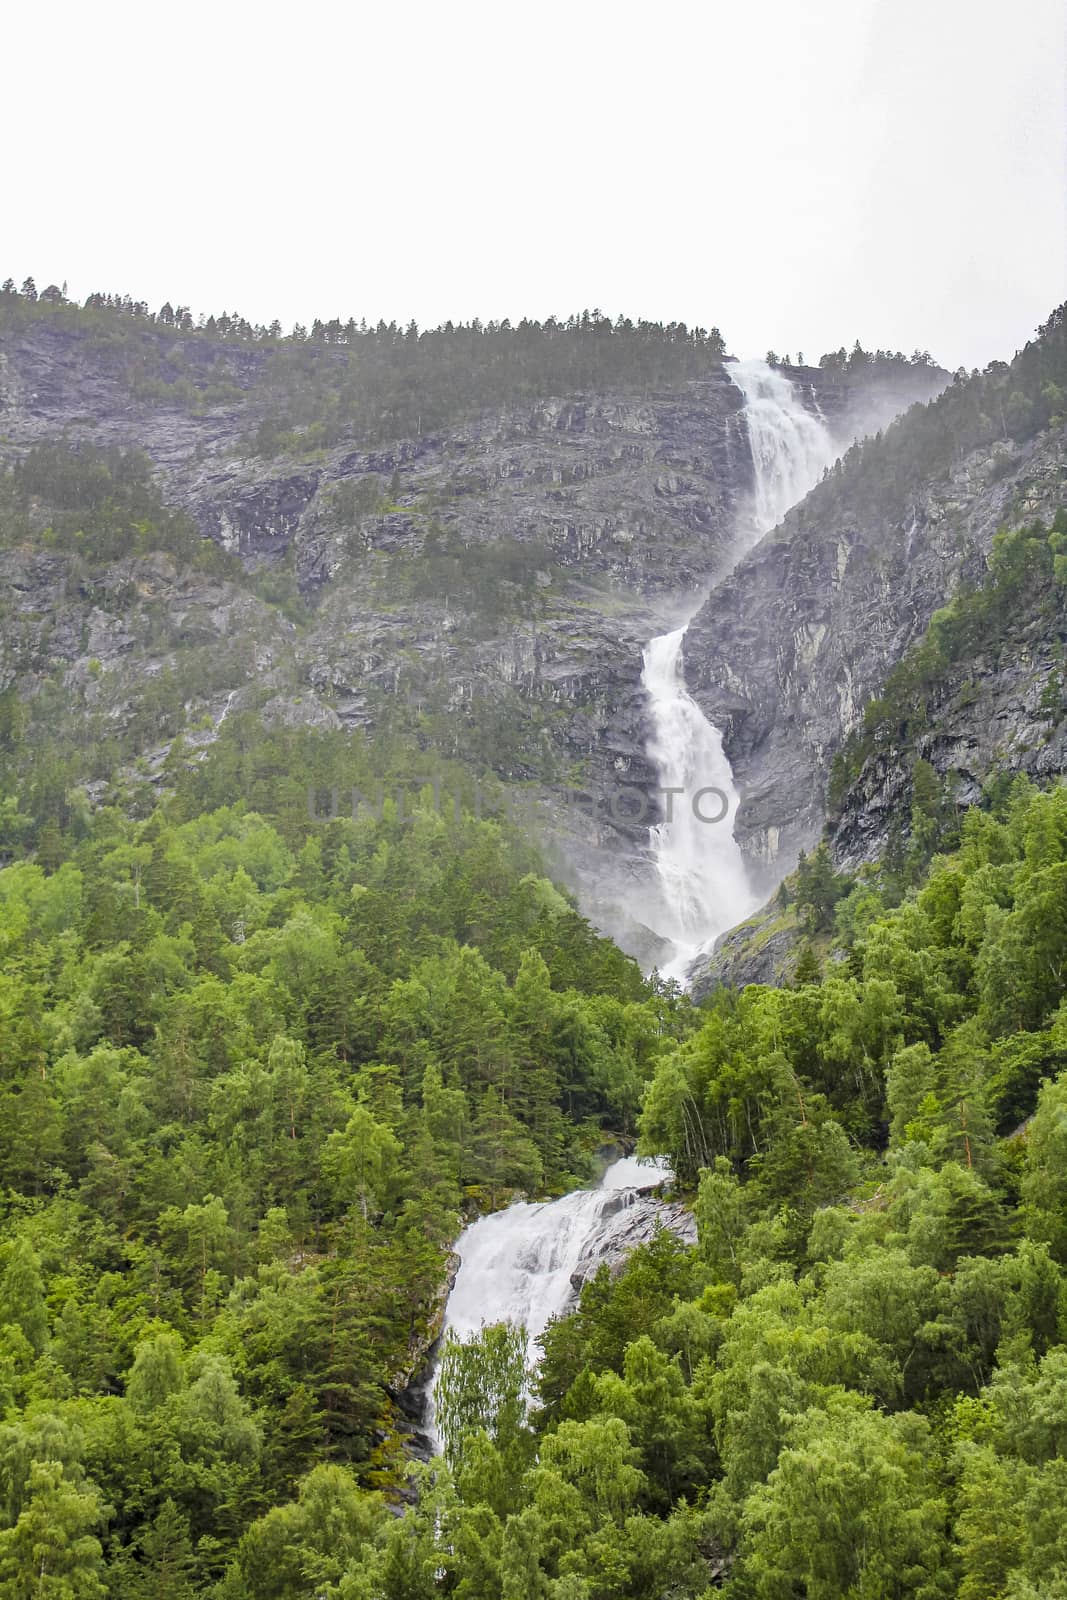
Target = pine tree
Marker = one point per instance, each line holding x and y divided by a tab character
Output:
52	1553
22	1301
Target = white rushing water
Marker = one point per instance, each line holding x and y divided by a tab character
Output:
516	1265
703	884
702	881
791	447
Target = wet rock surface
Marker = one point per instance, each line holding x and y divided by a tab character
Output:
763	949
638	1217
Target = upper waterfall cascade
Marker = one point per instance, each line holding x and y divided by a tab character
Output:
790	444
702	880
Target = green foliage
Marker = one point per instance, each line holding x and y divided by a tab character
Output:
252	1066
1044	1185
497	582
848	1468
480	1405
860	360
255	1066
817	888
99	504
248	1100
51	1552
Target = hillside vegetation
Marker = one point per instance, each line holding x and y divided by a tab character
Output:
278	1014
315	385
253	1067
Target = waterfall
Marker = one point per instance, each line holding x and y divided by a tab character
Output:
790	445
520	1265
702	883
516	1265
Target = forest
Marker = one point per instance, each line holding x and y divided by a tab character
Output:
254	1068
854	1384
262	1055
257	1065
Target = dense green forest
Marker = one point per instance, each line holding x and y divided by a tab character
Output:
253	1067
855	1384
212	1204
256	1065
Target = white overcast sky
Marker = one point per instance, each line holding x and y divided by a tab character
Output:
799	172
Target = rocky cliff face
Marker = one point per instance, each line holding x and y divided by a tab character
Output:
583	523
637	1219
786	653
638	489
1003	713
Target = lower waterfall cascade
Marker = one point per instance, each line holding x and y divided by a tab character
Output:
519	1265
702	881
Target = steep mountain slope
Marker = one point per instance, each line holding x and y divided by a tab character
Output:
484	584
981	698
786	654
259	1062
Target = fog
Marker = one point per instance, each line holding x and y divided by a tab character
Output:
798	175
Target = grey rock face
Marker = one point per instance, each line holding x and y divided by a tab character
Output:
994	716
786	653
637	1220
625	502
761	950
